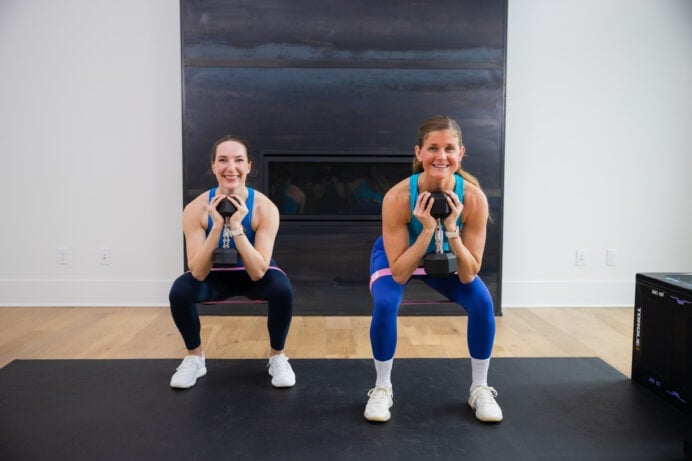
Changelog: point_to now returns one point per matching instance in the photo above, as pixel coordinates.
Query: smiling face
(441, 153)
(231, 166)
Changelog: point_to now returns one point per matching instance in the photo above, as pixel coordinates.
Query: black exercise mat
(555, 409)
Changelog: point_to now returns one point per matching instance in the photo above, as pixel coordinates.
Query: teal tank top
(415, 227)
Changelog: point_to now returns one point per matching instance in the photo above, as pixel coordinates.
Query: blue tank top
(415, 227)
(249, 233)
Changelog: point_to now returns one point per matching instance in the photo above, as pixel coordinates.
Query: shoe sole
(201, 374)
(282, 386)
(486, 420)
(489, 420)
(379, 419)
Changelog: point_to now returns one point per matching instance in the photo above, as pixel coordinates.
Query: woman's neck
(239, 191)
(426, 183)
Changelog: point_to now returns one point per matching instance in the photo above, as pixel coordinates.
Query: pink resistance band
(241, 268)
(387, 271)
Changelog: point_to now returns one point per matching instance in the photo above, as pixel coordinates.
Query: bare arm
(265, 222)
(469, 248)
(403, 259)
(199, 246)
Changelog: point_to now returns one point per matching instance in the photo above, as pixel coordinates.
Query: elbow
(198, 276)
(198, 273)
(399, 279)
(467, 278)
(469, 275)
(257, 274)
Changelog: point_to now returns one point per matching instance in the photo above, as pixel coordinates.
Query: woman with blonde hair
(408, 234)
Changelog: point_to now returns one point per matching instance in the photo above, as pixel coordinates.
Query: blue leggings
(474, 297)
(274, 287)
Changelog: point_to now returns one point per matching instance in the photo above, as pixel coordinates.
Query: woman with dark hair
(248, 234)
(408, 234)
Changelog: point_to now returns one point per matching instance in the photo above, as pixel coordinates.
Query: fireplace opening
(332, 187)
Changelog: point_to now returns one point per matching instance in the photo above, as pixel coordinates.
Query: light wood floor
(143, 332)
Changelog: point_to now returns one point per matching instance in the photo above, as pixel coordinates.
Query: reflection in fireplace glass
(325, 188)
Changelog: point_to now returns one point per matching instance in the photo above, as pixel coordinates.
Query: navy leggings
(387, 295)
(274, 287)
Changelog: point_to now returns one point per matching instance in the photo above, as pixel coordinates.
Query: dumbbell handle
(226, 232)
(438, 238)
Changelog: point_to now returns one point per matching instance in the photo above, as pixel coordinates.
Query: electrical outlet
(104, 256)
(611, 257)
(62, 255)
(580, 258)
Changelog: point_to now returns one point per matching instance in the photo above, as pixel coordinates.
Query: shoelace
(279, 363)
(380, 395)
(188, 362)
(484, 394)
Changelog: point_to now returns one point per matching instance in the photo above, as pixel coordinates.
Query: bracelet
(453, 234)
(239, 231)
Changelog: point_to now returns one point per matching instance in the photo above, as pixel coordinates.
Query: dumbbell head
(224, 257)
(440, 264)
(440, 208)
(225, 207)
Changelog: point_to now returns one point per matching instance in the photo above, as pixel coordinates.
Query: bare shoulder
(263, 204)
(395, 205)
(197, 208)
(475, 200)
(265, 211)
(398, 194)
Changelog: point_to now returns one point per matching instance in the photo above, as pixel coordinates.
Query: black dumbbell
(440, 264)
(443, 263)
(226, 208)
(225, 256)
(440, 208)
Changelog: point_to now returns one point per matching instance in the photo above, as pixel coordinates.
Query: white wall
(90, 139)
(598, 136)
(599, 114)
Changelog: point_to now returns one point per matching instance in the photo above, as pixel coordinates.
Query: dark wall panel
(330, 79)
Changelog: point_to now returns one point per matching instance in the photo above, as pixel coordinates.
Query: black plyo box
(662, 339)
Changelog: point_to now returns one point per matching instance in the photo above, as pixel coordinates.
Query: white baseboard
(568, 293)
(146, 293)
(78, 293)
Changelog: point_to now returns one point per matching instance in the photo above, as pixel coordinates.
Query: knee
(479, 302)
(279, 288)
(182, 292)
(482, 318)
(282, 294)
(385, 312)
(481, 310)
(176, 293)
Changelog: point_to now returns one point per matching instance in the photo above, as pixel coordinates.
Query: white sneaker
(482, 400)
(280, 371)
(191, 368)
(380, 401)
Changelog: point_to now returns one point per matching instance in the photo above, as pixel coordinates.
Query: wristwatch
(453, 234)
(239, 231)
